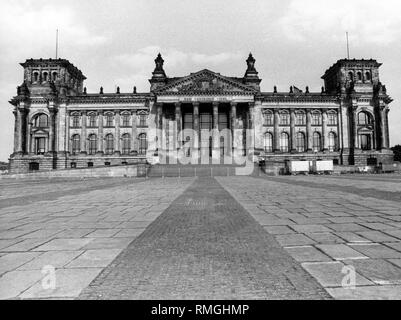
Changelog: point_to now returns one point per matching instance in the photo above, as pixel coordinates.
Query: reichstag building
(59, 125)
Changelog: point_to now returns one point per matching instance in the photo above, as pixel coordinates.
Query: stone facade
(59, 125)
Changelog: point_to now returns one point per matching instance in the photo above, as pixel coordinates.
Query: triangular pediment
(205, 82)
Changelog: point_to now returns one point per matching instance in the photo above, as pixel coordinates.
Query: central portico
(215, 108)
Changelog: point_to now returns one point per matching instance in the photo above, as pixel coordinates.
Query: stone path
(329, 228)
(204, 246)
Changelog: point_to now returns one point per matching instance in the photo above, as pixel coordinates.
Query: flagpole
(56, 43)
(347, 45)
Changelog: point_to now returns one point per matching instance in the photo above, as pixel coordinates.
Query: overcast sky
(115, 42)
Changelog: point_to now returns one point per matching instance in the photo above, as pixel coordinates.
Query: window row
(126, 146)
(300, 142)
(359, 76)
(300, 118)
(108, 120)
(44, 76)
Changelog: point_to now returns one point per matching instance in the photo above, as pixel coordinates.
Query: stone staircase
(209, 170)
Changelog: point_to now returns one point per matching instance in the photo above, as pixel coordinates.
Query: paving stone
(352, 237)
(344, 227)
(325, 237)
(278, 229)
(307, 254)
(295, 239)
(376, 251)
(64, 244)
(69, 284)
(11, 261)
(94, 258)
(377, 236)
(309, 228)
(108, 243)
(366, 293)
(340, 251)
(102, 233)
(14, 282)
(74, 233)
(378, 270)
(331, 274)
(394, 233)
(126, 233)
(56, 259)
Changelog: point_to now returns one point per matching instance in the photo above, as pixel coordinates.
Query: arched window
(126, 143)
(367, 76)
(268, 117)
(45, 77)
(109, 120)
(332, 118)
(35, 77)
(75, 120)
(300, 142)
(109, 144)
(143, 143)
(284, 138)
(92, 143)
(41, 121)
(76, 144)
(126, 119)
(350, 76)
(317, 145)
(316, 119)
(364, 118)
(359, 76)
(300, 119)
(332, 144)
(268, 142)
(92, 120)
(54, 76)
(284, 119)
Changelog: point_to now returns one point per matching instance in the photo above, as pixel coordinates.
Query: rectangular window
(126, 121)
(223, 121)
(75, 121)
(284, 119)
(268, 117)
(332, 119)
(205, 121)
(188, 121)
(40, 145)
(142, 120)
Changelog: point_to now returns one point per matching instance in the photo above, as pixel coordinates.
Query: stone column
(233, 123)
(196, 123)
(100, 140)
(19, 129)
(216, 142)
(159, 124)
(67, 132)
(276, 130)
(178, 121)
(355, 125)
(16, 124)
(309, 134)
(52, 134)
(117, 140)
(383, 125)
(387, 130)
(83, 133)
(134, 133)
(325, 139)
(27, 133)
(293, 147)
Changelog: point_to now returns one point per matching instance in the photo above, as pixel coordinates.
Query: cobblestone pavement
(204, 246)
(332, 226)
(77, 227)
(224, 237)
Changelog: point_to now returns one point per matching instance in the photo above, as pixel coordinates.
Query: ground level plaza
(248, 237)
